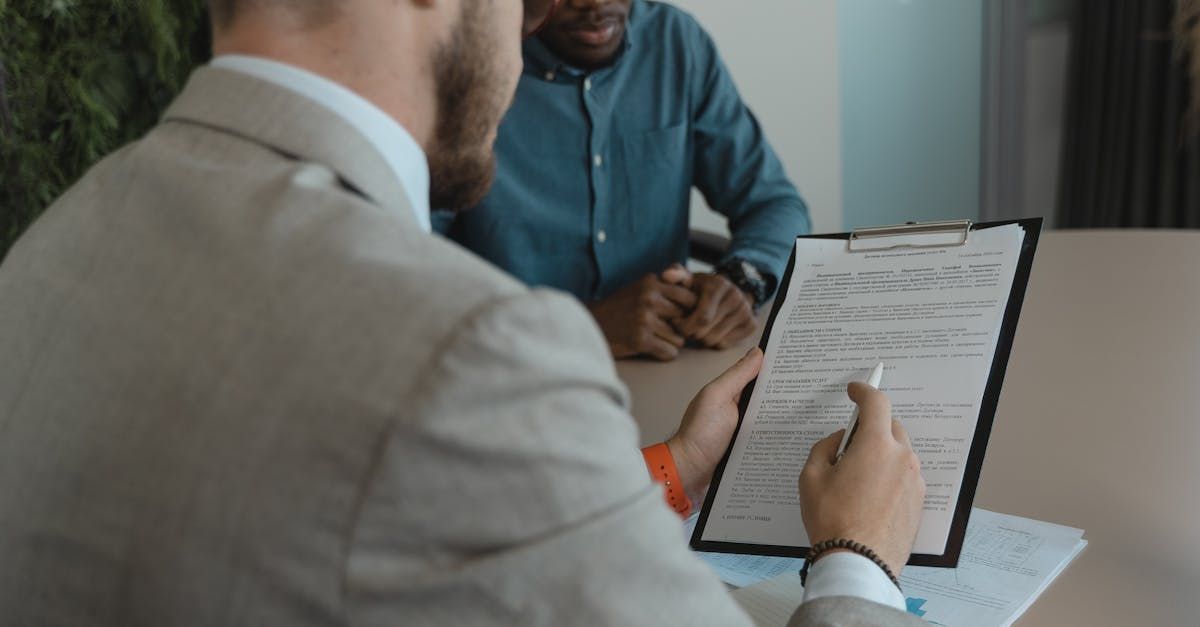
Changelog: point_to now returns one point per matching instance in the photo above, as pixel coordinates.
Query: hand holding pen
(874, 495)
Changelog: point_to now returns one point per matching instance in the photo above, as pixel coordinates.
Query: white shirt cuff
(846, 574)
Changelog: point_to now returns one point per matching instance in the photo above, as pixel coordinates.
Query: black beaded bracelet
(850, 545)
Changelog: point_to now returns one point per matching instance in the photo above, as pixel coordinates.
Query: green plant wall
(78, 79)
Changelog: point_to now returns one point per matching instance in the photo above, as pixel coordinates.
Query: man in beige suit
(243, 385)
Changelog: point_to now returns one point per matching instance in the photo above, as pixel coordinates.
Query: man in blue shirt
(622, 107)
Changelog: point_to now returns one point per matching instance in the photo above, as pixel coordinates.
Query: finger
(676, 274)
(663, 307)
(734, 313)
(728, 308)
(704, 316)
(659, 349)
(665, 332)
(729, 384)
(824, 452)
(682, 296)
(874, 409)
(708, 303)
(740, 333)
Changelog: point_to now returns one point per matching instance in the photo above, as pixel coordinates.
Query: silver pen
(873, 381)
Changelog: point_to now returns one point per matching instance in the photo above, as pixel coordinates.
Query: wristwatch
(747, 277)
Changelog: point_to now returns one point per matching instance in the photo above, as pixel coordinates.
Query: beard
(470, 103)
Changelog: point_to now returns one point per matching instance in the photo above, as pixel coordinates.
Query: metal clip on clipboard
(956, 233)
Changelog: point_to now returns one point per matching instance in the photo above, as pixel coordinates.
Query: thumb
(731, 382)
(874, 409)
(676, 274)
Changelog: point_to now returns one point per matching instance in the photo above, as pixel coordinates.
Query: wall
(1046, 51)
(911, 84)
(873, 105)
(783, 55)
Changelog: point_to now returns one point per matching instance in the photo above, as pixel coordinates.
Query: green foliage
(78, 79)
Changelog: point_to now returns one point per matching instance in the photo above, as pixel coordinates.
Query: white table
(1098, 425)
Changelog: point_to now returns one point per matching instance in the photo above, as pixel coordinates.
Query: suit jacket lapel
(291, 124)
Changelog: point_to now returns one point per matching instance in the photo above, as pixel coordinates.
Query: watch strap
(661, 465)
(758, 287)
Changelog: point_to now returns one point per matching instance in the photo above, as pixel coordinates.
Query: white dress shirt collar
(393, 142)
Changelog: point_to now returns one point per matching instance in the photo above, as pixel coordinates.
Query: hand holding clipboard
(938, 302)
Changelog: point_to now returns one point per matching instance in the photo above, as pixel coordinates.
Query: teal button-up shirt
(595, 169)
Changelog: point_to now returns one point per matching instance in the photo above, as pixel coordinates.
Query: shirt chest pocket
(658, 166)
(664, 147)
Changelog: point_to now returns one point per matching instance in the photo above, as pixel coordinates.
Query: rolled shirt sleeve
(738, 172)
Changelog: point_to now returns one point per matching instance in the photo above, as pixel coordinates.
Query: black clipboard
(987, 410)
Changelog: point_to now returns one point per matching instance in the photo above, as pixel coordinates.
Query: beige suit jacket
(240, 386)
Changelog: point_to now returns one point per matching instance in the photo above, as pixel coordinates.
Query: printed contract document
(933, 316)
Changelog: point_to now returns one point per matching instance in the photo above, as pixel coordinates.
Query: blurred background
(883, 111)
(886, 111)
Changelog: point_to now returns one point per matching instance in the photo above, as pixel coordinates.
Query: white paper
(932, 316)
(743, 570)
(1007, 561)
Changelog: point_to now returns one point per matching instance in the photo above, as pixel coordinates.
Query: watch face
(749, 279)
(750, 271)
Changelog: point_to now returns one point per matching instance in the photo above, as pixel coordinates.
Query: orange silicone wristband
(662, 469)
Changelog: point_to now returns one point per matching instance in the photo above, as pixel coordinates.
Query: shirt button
(587, 84)
(550, 76)
(598, 160)
(601, 236)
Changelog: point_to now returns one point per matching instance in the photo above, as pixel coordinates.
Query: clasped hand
(659, 313)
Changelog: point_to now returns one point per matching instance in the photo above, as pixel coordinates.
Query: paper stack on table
(1007, 561)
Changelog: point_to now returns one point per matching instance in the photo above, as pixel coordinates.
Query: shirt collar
(539, 60)
(398, 148)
